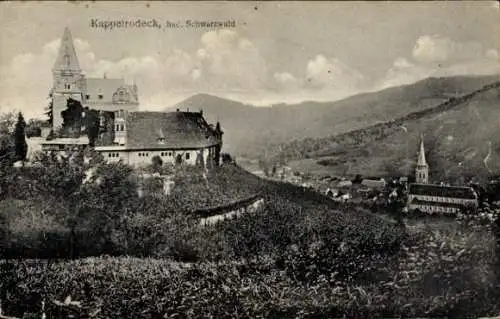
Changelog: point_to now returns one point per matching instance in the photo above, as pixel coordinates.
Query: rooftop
(160, 130)
(82, 140)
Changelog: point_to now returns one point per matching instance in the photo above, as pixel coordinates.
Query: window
(187, 156)
(100, 96)
(122, 127)
(87, 97)
(169, 153)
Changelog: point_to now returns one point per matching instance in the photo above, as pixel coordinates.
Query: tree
(21, 146)
(157, 163)
(357, 179)
(49, 111)
(226, 158)
(72, 118)
(7, 122)
(92, 125)
(7, 158)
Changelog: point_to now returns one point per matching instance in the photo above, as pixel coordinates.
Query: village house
(436, 199)
(374, 183)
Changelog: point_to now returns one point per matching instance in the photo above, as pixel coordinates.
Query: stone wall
(233, 210)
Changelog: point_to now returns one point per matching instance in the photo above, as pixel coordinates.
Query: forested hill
(250, 130)
(462, 138)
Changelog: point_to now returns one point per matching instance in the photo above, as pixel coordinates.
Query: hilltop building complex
(124, 133)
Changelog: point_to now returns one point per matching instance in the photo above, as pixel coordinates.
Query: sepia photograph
(249, 159)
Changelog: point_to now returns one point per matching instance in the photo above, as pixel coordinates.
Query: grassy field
(444, 271)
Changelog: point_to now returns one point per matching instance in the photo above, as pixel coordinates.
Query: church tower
(68, 79)
(422, 170)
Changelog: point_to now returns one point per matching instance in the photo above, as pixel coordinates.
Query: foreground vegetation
(443, 271)
(302, 255)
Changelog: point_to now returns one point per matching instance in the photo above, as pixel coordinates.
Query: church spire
(422, 169)
(421, 154)
(67, 60)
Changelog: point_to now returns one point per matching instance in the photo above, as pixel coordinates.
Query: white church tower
(422, 170)
(68, 79)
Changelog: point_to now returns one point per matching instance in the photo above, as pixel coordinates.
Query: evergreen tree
(92, 126)
(21, 146)
(49, 111)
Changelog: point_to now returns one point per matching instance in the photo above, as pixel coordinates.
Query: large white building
(176, 137)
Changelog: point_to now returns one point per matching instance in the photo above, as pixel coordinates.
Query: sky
(275, 52)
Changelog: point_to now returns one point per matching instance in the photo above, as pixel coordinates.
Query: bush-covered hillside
(302, 255)
(56, 209)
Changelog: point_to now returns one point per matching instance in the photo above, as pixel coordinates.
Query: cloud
(436, 56)
(436, 48)
(331, 73)
(286, 81)
(403, 72)
(227, 60)
(431, 49)
(492, 54)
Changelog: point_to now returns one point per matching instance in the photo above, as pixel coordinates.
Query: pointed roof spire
(421, 154)
(67, 59)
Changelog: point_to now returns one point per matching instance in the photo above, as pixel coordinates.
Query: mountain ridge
(395, 142)
(250, 131)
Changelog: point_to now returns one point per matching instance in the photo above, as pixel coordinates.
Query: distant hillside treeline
(454, 132)
(310, 147)
(251, 131)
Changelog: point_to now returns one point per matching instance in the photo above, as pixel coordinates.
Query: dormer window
(161, 137)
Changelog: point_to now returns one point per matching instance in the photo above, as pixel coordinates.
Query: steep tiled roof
(106, 87)
(442, 191)
(159, 130)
